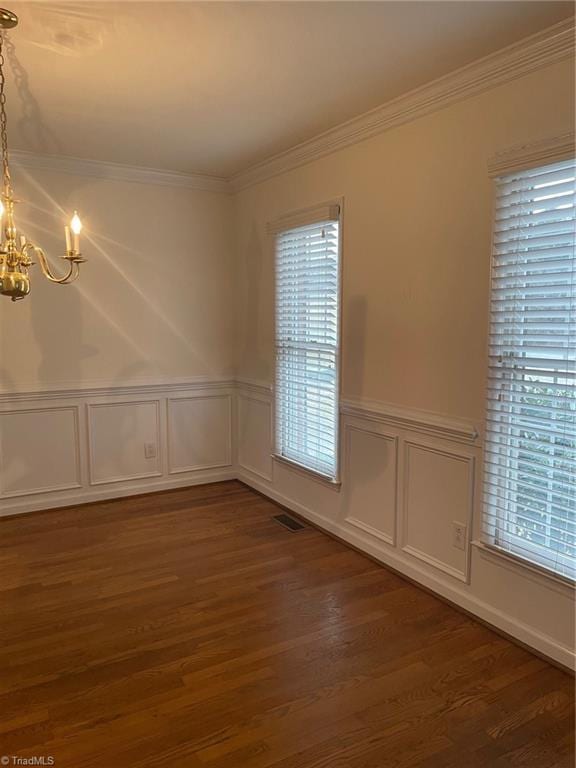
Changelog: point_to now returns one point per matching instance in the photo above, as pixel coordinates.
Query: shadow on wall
(32, 129)
(58, 329)
(254, 340)
(354, 323)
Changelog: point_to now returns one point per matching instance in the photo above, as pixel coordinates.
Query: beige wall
(416, 252)
(417, 211)
(154, 302)
(179, 284)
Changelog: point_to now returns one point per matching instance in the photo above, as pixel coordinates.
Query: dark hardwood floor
(188, 629)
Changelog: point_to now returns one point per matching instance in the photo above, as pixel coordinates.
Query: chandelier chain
(4, 123)
(16, 250)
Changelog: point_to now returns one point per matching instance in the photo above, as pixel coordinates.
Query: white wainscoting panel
(371, 471)
(254, 434)
(118, 434)
(407, 476)
(438, 491)
(199, 432)
(39, 450)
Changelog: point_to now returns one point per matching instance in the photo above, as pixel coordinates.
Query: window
(308, 340)
(530, 457)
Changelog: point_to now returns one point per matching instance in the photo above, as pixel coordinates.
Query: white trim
(90, 488)
(543, 575)
(436, 563)
(90, 409)
(435, 424)
(261, 395)
(529, 155)
(75, 409)
(332, 210)
(455, 592)
(257, 386)
(370, 530)
(100, 169)
(428, 422)
(532, 53)
(101, 493)
(348, 428)
(300, 218)
(517, 60)
(112, 389)
(405, 546)
(172, 470)
(334, 483)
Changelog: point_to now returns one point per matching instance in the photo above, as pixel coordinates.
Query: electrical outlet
(459, 535)
(150, 450)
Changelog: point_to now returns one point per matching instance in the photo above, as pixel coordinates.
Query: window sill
(333, 483)
(518, 564)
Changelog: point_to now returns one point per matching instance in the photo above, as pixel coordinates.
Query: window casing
(307, 341)
(530, 453)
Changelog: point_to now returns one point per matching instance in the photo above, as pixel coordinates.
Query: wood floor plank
(189, 629)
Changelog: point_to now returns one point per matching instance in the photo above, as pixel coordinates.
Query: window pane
(530, 482)
(307, 339)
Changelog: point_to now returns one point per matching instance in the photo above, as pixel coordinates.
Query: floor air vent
(289, 522)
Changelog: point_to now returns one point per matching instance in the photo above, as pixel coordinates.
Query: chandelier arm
(73, 269)
(15, 250)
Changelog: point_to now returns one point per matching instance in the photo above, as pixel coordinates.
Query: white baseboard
(22, 506)
(209, 431)
(454, 593)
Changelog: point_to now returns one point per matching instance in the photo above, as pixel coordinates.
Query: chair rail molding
(100, 388)
(120, 444)
(435, 424)
(400, 465)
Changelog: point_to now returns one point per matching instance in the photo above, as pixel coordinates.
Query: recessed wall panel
(39, 451)
(371, 479)
(254, 436)
(199, 433)
(438, 491)
(123, 437)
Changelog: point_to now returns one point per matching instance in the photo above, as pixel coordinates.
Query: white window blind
(530, 481)
(307, 344)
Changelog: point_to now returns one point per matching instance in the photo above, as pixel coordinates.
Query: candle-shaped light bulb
(2, 209)
(76, 226)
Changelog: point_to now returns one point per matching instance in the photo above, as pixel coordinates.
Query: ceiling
(214, 87)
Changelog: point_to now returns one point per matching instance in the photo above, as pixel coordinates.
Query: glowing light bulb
(76, 224)
(2, 209)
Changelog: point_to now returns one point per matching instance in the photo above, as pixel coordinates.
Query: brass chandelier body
(16, 251)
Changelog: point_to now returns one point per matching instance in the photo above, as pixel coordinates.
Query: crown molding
(528, 55)
(532, 53)
(119, 172)
(526, 156)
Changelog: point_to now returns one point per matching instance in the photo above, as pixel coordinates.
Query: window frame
(284, 223)
(517, 159)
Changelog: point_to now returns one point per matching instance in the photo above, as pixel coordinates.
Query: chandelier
(16, 251)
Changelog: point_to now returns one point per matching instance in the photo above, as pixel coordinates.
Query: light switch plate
(459, 535)
(150, 450)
